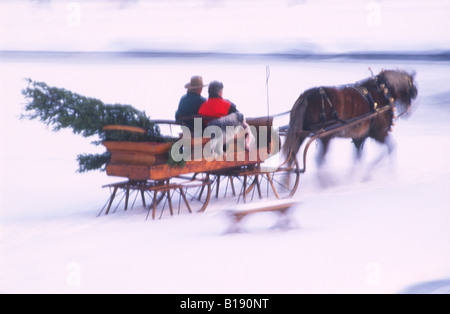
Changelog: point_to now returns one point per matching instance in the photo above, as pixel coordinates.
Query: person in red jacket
(216, 107)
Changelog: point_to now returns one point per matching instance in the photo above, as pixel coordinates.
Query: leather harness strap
(323, 96)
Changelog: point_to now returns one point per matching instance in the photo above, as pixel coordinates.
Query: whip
(267, 90)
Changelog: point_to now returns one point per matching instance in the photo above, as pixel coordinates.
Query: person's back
(222, 113)
(216, 108)
(190, 103)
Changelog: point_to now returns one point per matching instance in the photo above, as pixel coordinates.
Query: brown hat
(195, 83)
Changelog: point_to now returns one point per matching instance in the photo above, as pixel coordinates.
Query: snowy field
(384, 230)
(377, 233)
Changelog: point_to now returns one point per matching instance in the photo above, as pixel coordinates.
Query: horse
(323, 107)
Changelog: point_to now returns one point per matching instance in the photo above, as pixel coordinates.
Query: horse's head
(401, 87)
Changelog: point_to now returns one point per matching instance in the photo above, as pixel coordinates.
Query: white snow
(377, 233)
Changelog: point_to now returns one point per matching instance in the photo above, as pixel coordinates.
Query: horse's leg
(389, 146)
(356, 168)
(359, 144)
(321, 157)
(324, 177)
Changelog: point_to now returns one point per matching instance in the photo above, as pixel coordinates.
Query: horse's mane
(396, 79)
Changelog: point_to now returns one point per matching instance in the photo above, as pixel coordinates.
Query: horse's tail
(293, 140)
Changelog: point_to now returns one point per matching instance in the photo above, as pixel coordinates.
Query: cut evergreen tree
(61, 108)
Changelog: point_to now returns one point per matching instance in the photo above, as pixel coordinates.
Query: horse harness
(323, 97)
(364, 92)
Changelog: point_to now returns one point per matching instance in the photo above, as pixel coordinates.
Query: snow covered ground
(387, 231)
(380, 234)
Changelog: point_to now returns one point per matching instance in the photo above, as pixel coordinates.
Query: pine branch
(93, 162)
(61, 109)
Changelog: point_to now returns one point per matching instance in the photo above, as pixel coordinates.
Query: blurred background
(225, 26)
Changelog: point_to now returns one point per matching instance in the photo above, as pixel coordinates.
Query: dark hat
(195, 83)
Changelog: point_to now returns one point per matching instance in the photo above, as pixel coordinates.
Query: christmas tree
(61, 108)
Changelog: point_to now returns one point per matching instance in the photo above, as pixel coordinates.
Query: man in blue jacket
(191, 102)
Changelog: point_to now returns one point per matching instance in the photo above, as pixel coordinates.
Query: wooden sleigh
(189, 187)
